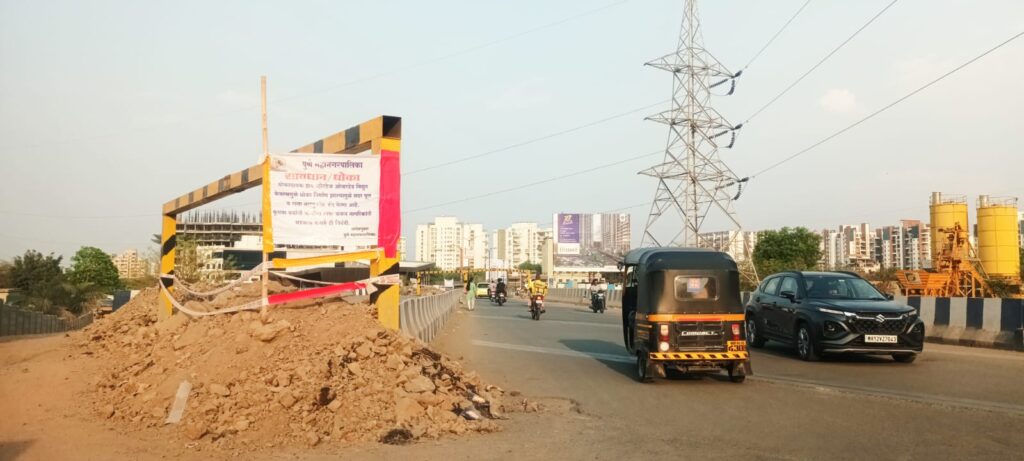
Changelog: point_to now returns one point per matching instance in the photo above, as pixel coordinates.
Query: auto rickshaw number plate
(736, 346)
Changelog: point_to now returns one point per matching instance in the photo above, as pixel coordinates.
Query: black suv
(829, 313)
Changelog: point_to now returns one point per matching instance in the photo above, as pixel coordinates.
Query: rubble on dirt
(316, 373)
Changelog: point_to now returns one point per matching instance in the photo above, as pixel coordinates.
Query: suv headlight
(833, 311)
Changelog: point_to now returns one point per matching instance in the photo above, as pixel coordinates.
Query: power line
(888, 106)
(784, 26)
(531, 141)
(822, 61)
(536, 183)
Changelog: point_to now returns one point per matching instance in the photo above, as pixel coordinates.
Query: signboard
(568, 228)
(586, 242)
(325, 201)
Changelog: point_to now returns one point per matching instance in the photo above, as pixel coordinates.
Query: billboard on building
(588, 242)
(568, 227)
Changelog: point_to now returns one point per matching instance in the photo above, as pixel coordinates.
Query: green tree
(187, 260)
(786, 249)
(531, 267)
(5, 275)
(32, 272)
(91, 265)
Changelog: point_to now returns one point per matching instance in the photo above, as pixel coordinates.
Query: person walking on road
(470, 293)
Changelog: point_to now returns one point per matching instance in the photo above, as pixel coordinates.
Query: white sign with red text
(325, 200)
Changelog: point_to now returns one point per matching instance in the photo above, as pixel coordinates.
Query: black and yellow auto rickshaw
(682, 312)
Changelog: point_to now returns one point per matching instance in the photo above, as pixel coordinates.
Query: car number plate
(885, 339)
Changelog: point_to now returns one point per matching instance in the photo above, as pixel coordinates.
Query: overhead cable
(887, 106)
(820, 62)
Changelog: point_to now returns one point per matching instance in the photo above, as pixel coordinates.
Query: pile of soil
(316, 373)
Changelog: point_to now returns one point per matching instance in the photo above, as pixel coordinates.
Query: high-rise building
(519, 243)
(130, 266)
(401, 248)
(451, 244)
(830, 248)
(735, 243)
(904, 246)
(218, 229)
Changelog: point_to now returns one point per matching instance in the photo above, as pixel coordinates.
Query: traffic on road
(845, 406)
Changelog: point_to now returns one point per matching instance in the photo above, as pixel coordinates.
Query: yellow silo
(946, 211)
(998, 236)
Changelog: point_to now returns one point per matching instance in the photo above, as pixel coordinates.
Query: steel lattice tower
(692, 178)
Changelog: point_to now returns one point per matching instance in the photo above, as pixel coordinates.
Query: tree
(187, 260)
(786, 249)
(530, 267)
(5, 274)
(33, 272)
(91, 265)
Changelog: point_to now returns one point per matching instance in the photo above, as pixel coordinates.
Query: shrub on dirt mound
(323, 373)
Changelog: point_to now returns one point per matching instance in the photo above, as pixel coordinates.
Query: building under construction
(959, 269)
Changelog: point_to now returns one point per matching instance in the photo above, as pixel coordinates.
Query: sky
(110, 108)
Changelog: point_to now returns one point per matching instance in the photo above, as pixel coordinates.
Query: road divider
(425, 316)
(981, 322)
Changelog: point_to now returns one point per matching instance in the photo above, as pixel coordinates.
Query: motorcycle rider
(596, 287)
(537, 287)
(500, 289)
(490, 290)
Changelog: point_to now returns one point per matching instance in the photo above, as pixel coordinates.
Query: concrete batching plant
(958, 269)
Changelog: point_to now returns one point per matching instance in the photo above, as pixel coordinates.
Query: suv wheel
(754, 336)
(805, 346)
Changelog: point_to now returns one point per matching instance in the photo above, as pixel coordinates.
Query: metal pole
(265, 276)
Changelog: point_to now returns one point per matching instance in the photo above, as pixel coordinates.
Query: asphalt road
(952, 403)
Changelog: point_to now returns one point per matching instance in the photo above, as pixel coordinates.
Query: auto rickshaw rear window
(695, 288)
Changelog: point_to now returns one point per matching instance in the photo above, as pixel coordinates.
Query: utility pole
(265, 276)
(692, 179)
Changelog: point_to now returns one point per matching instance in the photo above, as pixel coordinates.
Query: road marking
(928, 399)
(570, 322)
(995, 354)
(971, 404)
(552, 351)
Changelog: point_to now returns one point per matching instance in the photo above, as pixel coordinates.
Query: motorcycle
(499, 298)
(597, 302)
(537, 307)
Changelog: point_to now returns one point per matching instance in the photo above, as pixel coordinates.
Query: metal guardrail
(425, 316)
(16, 322)
(582, 295)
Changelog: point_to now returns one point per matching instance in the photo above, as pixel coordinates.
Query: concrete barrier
(985, 322)
(425, 316)
(17, 322)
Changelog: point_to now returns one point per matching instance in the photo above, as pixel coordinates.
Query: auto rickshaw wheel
(736, 375)
(644, 371)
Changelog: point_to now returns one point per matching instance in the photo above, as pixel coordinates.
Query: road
(952, 403)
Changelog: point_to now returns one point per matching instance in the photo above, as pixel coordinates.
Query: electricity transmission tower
(692, 179)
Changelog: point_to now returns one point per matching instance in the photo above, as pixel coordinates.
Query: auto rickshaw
(682, 313)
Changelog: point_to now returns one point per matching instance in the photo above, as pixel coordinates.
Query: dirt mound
(318, 373)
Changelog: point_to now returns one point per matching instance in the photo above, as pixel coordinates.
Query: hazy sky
(110, 108)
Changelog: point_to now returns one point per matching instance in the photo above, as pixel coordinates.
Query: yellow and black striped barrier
(699, 356)
(383, 133)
